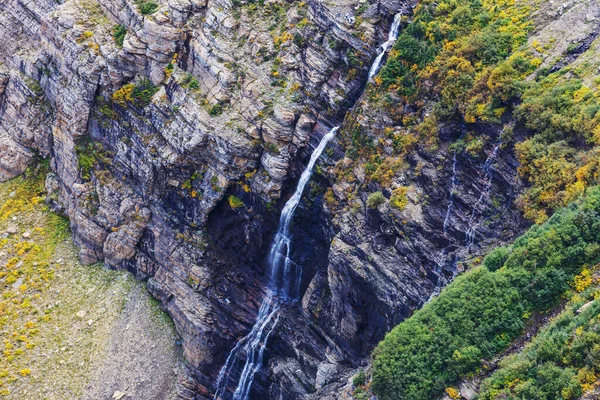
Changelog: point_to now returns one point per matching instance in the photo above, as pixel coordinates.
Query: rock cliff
(175, 130)
(154, 114)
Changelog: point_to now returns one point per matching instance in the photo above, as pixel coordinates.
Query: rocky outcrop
(367, 268)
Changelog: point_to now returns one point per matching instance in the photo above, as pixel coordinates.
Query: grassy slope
(56, 316)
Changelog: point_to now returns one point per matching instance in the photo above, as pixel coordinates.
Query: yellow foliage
(295, 87)
(582, 94)
(596, 135)
(281, 39)
(123, 95)
(12, 262)
(587, 379)
(536, 62)
(453, 393)
(399, 200)
(537, 46)
(583, 280)
(84, 36)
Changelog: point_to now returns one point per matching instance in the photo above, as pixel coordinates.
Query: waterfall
(285, 275)
(383, 49)
(284, 285)
(253, 346)
(452, 190)
(441, 256)
(487, 173)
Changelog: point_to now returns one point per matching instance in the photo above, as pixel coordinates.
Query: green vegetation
(235, 202)
(359, 379)
(87, 161)
(375, 199)
(89, 156)
(26, 273)
(562, 362)
(469, 62)
(146, 7)
(215, 110)
(460, 46)
(190, 82)
(271, 147)
(119, 33)
(482, 311)
(57, 316)
(139, 94)
(558, 160)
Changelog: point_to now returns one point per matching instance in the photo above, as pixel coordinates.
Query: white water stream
(285, 275)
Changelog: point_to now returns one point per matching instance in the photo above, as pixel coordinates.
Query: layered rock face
(153, 121)
(153, 114)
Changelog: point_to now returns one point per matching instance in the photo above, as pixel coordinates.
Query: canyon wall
(175, 135)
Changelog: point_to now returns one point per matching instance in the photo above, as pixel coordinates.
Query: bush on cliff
(375, 200)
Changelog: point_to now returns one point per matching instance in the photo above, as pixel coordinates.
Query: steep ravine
(174, 148)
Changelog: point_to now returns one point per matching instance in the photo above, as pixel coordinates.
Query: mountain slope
(176, 129)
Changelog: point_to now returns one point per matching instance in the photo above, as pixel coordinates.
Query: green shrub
(561, 362)
(235, 202)
(89, 156)
(216, 110)
(119, 33)
(194, 84)
(86, 163)
(375, 200)
(190, 82)
(139, 94)
(146, 7)
(359, 379)
(496, 258)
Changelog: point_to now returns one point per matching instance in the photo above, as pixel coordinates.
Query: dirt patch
(141, 357)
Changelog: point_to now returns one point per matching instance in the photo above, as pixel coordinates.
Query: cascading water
(285, 278)
(452, 190)
(441, 257)
(383, 49)
(284, 285)
(487, 170)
